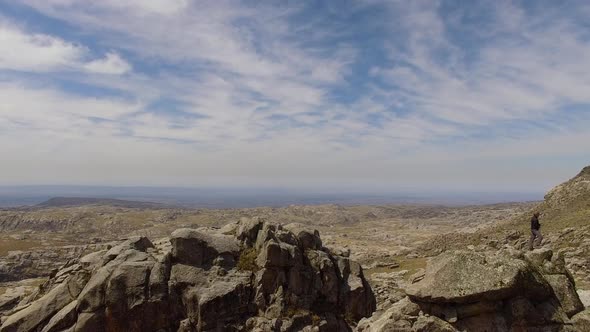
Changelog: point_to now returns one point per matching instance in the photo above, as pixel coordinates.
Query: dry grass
(412, 265)
(247, 260)
(369, 272)
(8, 244)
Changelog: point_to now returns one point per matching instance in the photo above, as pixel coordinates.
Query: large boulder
(468, 276)
(251, 276)
(486, 291)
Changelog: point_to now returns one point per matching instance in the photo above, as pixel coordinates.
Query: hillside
(565, 224)
(566, 205)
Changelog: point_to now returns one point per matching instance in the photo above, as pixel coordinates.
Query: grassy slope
(567, 205)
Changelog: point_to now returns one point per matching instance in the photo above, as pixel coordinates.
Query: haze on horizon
(375, 94)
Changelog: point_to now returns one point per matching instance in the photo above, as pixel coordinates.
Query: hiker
(535, 231)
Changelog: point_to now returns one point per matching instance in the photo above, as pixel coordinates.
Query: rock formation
(504, 290)
(247, 276)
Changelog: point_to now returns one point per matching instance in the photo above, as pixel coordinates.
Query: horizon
(363, 96)
(246, 197)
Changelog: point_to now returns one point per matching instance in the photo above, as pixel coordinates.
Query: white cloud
(35, 52)
(112, 63)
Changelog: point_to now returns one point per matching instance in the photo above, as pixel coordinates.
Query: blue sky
(367, 95)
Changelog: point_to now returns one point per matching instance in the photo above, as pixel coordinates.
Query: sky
(367, 95)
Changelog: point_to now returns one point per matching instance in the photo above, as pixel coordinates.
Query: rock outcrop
(505, 290)
(249, 276)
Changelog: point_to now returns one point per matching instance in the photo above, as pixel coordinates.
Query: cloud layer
(368, 94)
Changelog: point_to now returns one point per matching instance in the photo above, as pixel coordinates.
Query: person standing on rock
(535, 231)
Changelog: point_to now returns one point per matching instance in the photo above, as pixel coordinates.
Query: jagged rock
(194, 247)
(327, 284)
(191, 282)
(358, 296)
(265, 234)
(275, 254)
(30, 318)
(247, 230)
(65, 318)
(307, 239)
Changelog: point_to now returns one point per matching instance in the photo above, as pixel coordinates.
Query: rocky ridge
(247, 276)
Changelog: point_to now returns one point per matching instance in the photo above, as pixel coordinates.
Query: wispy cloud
(34, 110)
(525, 66)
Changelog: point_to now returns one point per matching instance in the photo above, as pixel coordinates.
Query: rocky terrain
(248, 276)
(34, 241)
(420, 267)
